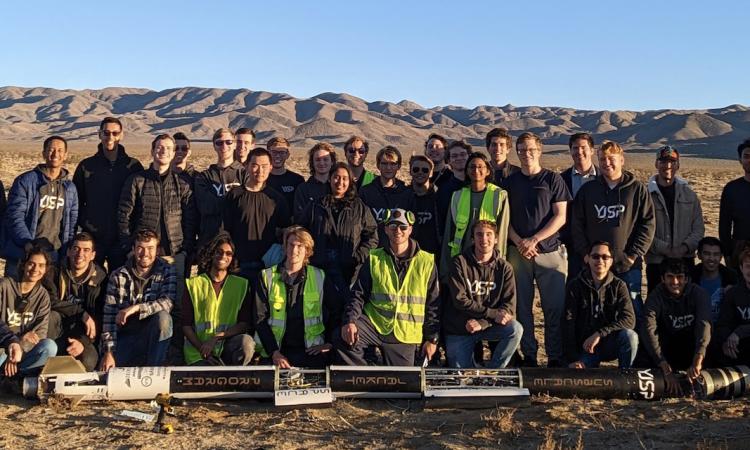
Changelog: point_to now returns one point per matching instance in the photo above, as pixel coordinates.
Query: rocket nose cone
(725, 382)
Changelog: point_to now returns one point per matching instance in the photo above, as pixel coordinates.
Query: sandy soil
(547, 423)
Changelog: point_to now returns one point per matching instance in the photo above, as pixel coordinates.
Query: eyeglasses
(400, 226)
(224, 253)
(420, 169)
(597, 257)
(219, 143)
(110, 133)
(352, 150)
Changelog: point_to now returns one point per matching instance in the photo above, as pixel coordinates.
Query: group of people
(360, 267)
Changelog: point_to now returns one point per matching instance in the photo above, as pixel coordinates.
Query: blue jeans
(144, 342)
(634, 279)
(460, 348)
(33, 360)
(621, 345)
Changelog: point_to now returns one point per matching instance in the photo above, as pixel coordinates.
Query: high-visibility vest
(399, 307)
(461, 210)
(312, 306)
(213, 314)
(367, 178)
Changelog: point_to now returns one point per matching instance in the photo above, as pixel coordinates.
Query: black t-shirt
(252, 219)
(286, 184)
(426, 228)
(531, 199)
(51, 207)
(668, 193)
(444, 194)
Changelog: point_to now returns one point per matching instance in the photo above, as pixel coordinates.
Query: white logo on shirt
(680, 322)
(16, 319)
(609, 212)
(52, 202)
(222, 189)
(744, 312)
(423, 217)
(481, 287)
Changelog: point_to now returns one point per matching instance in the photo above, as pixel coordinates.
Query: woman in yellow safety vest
(289, 302)
(215, 311)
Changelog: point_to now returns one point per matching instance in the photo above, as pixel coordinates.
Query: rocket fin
(63, 364)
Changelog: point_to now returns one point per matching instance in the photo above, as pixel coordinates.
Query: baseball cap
(399, 216)
(667, 152)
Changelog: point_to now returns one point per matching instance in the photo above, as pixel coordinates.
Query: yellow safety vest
(312, 306)
(394, 308)
(367, 178)
(461, 210)
(213, 314)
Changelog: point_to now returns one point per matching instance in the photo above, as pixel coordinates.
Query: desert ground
(547, 423)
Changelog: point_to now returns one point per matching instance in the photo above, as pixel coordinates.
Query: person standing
(435, 148)
(356, 149)
(499, 143)
(181, 162)
(734, 215)
(99, 180)
(284, 180)
(427, 229)
(42, 207)
(321, 157)
(244, 140)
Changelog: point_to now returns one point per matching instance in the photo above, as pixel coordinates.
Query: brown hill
(33, 113)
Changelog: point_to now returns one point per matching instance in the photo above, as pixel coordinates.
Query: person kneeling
(483, 304)
(290, 308)
(394, 302)
(599, 318)
(215, 315)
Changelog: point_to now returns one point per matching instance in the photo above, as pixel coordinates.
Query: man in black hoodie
(427, 228)
(678, 312)
(734, 215)
(599, 319)
(99, 180)
(320, 159)
(387, 192)
(733, 326)
(618, 209)
(482, 303)
(76, 288)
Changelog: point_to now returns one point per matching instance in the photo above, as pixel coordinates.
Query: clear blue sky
(588, 54)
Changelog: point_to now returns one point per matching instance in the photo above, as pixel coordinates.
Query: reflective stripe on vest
(461, 211)
(367, 178)
(213, 314)
(312, 306)
(394, 307)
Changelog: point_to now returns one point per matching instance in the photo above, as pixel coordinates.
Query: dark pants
(60, 330)
(109, 250)
(144, 342)
(237, 351)
(620, 345)
(298, 358)
(394, 352)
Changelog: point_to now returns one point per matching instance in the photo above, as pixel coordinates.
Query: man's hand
(108, 362)
(123, 314)
(429, 349)
(318, 349)
(672, 385)
(30, 337)
(694, 371)
(731, 346)
(504, 317)
(590, 344)
(208, 346)
(349, 333)
(528, 247)
(473, 326)
(90, 325)
(75, 348)
(576, 365)
(15, 352)
(280, 360)
(631, 260)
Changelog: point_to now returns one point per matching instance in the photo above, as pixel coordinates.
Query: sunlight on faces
(223, 257)
(710, 256)
(181, 151)
(581, 153)
(322, 162)
(457, 157)
(388, 167)
(356, 154)
(398, 233)
(279, 155)
(244, 143)
(224, 147)
(485, 238)
(80, 254)
(529, 153)
(435, 150)
(163, 152)
(55, 154)
(295, 251)
(420, 172)
(144, 253)
(34, 268)
(110, 136)
(611, 164)
(259, 167)
(675, 282)
(339, 182)
(498, 149)
(667, 169)
(599, 260)
(477, 170)
(745, 160)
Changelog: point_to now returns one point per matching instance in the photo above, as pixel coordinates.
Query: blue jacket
(22, 213)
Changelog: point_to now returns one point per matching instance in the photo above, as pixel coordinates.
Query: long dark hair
(207, 252)
(351, 192)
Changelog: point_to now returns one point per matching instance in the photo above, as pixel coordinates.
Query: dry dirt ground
(544, 423)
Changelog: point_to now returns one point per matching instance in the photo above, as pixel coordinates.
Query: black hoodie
(379, 199)
(623, 216)
(478, 291)
(734, 314)
(210, 189)
(590, 310)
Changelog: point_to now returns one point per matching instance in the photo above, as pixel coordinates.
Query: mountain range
(34, 113)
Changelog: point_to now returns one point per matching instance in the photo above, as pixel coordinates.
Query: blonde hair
(220, 131)
(611, 148)
(304, 237)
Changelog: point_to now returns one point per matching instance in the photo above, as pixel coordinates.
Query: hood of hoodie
(587, 279)
(64, 173)
(653, 186)
(398, 187)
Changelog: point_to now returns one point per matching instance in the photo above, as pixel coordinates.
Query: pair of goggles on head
(391, 214)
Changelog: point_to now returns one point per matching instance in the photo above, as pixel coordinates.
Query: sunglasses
(224, 253)
(597, 257)
(420, 169)
(400, 226)
(219, 143)
(111, 133)
(352, 151)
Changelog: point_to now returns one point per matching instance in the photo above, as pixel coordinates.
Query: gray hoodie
(24, 314)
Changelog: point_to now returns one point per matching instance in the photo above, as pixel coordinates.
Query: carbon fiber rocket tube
(634, 384)
(376, 382)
